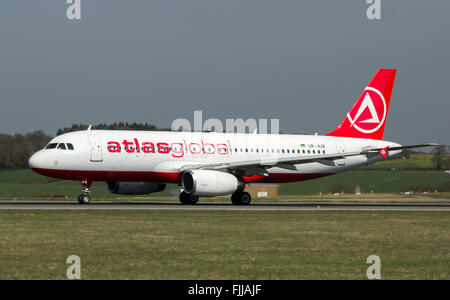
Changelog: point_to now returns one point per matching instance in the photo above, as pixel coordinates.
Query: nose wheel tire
(187, 199)
(241, 198)
(84, 199)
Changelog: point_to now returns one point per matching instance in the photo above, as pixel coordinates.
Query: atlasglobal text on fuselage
(176, 149)
(210, 164)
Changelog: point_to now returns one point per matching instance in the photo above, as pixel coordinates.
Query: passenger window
(70, 146)
(62, 146)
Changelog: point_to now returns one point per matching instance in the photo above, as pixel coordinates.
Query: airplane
(209, 164)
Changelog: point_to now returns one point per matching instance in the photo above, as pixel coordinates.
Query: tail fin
(367, 117)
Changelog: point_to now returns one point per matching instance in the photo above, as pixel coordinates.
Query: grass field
(224, 245)
(377, 181)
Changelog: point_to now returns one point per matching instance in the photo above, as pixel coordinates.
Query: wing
(259, 166)
(406, 147)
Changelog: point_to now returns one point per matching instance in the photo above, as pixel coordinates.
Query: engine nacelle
(210, 183)
(134, 188)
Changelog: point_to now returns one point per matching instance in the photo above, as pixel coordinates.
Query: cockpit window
(51, 146)
(62, 146)
(70, 146)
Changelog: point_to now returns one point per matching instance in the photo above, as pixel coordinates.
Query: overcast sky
(303, 62)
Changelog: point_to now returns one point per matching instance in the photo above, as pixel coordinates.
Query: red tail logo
(370, 114)
(366, 119)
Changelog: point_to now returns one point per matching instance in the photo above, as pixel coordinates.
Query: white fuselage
(109, 155)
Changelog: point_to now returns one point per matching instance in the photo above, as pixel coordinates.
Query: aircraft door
(96, 149)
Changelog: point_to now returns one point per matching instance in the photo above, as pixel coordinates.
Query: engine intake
(210, 183)
(134, 188)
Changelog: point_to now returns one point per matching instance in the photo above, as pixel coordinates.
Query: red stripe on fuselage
(167, 177)
(111, 175)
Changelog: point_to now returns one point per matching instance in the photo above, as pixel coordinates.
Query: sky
(302, 62)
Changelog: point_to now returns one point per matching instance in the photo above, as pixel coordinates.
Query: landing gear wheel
(186, 198)
(241, 198)
(84, 199)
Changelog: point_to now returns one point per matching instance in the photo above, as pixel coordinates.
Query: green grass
(25, 184)
(224, 245)
(416, 161)
(377, 181)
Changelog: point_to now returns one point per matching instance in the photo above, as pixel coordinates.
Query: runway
(222, 206)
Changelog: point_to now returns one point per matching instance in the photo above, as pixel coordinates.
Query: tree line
(15, 150)
(113, 126)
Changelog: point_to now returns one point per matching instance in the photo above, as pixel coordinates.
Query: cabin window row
(288, 151)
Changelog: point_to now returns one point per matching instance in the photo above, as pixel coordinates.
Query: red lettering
(148, 147)
(138, 150)
(207, 148)
(163, 148)
(196, 146)
(126, 144)
(177, 149)
(222, 149)
(113, 147)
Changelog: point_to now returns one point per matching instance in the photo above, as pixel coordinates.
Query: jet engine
(210, 183)
(134, 188)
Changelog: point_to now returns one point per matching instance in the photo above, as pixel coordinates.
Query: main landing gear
(84, 198)
(186, 198)
(238, 198)
(241, 198)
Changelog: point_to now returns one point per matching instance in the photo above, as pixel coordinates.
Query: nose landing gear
(84, 198)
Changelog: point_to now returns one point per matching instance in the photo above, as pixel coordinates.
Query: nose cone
(36, 161)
